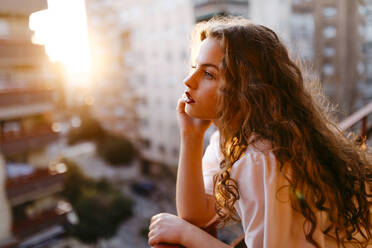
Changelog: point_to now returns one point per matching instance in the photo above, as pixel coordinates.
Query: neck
(235, 124)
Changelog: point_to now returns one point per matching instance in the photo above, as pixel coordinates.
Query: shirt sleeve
(210, 163)
(267, 217)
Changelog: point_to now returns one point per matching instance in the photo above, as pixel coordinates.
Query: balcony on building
(25, 101)
(22, 7)
(206, 9)
(20, 52)
(25, 185)
(12, 143)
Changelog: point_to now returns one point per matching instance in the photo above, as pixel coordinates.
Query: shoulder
(257, 166)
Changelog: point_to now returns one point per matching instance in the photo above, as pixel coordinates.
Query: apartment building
(143, 49)
(30, 213)
(206, 9)
(275, 14)
(367, 68)
(335, 37)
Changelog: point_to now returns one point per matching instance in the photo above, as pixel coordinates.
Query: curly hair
(265, 94)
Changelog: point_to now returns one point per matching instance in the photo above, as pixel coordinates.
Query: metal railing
(24, 141)
(360, 115)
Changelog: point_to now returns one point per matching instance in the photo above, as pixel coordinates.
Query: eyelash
(206, 73)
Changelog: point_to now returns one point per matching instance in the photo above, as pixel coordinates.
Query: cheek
(209, 103)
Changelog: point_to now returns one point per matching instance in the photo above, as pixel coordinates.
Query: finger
(153, 224)
(181, 105)
(151, 234)
(154, 218)
(153, 240)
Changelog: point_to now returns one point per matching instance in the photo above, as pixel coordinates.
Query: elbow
(198, 221)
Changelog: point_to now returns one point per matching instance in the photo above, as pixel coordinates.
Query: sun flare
(62, 28)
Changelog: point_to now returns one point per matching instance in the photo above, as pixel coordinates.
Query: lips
(189, 98)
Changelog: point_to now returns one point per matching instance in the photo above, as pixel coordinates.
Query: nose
(191, 81)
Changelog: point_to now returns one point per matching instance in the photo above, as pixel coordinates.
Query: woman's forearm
(194, 237)
(190, 197)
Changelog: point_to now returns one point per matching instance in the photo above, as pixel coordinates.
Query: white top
(267, 218)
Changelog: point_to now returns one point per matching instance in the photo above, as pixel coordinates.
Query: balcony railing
(28, 227)
(22, 102)
(33, 186)
(21, 96)
(24, 141)
(20, 52)
(359, 116)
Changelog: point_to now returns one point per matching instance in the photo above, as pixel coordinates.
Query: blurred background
(88, 92)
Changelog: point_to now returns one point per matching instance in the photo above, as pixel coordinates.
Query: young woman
(276, 161)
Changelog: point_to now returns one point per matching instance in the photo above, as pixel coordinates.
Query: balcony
(44, 221)
(21, 102)
(23, 7)
(19, 142)
(20, 52)
(33, 185)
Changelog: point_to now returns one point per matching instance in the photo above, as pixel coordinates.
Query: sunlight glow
(62, 28)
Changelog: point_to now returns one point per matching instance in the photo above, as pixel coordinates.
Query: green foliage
(90, 130)
(117, 150)
(99, 206)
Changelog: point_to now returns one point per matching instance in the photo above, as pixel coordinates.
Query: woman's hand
(167, 228)
(170, 231)
(188, 124)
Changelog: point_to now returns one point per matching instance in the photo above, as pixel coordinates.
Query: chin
(195, 114)
(192, 112)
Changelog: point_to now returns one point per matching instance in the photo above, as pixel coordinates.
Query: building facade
(206, 9)
(275, 14)
(144, 50)
(28, 99)
(334, 34)
(367, 49)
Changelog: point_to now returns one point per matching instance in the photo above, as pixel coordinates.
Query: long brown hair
(265, 89)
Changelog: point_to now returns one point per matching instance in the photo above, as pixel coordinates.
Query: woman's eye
(209, 75)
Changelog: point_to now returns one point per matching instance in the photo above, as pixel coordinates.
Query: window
(369, 70)
(119, 112)
(329, 51)
(302, 35)
(361, 68)
(362, 10)
(328, 69)
(144, 122)
(141, 79)
(362, 30)
(329, 12)
(161, 149)
(145, 142)
(329, 32)
(4, 28)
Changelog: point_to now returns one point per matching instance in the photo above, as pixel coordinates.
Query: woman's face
(203, 82)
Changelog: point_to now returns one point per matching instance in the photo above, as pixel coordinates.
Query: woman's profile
(277, 162)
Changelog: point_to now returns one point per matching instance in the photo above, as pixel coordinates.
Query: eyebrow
(210, 65)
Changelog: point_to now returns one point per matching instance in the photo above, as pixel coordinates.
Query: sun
(62, 28)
